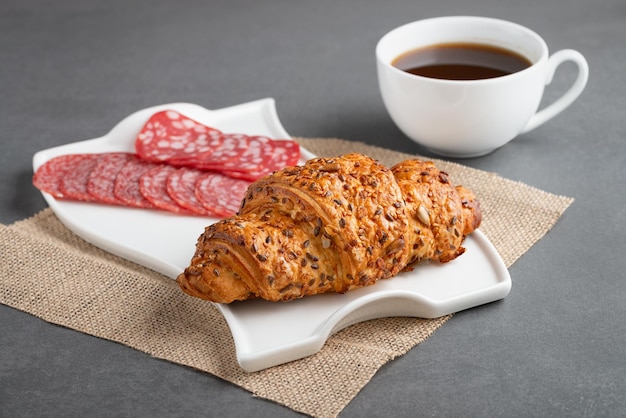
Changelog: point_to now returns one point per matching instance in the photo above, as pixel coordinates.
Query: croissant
(331, 225)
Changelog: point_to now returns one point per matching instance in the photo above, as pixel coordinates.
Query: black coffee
(461, 61)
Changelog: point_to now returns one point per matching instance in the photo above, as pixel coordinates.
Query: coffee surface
(461, 61)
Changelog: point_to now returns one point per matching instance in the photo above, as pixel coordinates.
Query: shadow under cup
(465, 118)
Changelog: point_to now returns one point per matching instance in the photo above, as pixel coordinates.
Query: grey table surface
(556, 346)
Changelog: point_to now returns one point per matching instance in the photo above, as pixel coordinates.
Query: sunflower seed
(423, 216)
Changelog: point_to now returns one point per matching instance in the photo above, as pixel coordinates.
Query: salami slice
(220, 194)
(285, 153)
(169, 134)
(48, 176)
(277, 155)
(101, 182)
(73, 184)
(232, 147)
(252, 159)
(126, 187)
(153, 186)
(181, 186)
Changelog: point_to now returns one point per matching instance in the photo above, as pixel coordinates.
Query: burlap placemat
(51, 273)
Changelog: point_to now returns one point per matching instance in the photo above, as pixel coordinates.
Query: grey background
(70, 70)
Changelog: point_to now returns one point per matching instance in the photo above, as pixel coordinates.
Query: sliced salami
(48, 176)
(220, 194)
(153, 186)
(278, 154)
(126, 187)
(252, 159)
(173, 152)
(181, 186)
(233, 146)
(73, 184)
(285, 153)
(169, 134)
(101, 182)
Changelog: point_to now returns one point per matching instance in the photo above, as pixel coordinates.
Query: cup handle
(570, 95)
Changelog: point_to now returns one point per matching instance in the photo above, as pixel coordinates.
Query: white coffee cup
(470, 118)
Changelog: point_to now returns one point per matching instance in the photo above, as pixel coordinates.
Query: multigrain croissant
(331, 225)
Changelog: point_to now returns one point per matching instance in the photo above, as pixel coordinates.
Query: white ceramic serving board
(265, 333)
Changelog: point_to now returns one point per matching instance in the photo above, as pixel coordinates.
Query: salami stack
(180, 166)
(175, 139)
